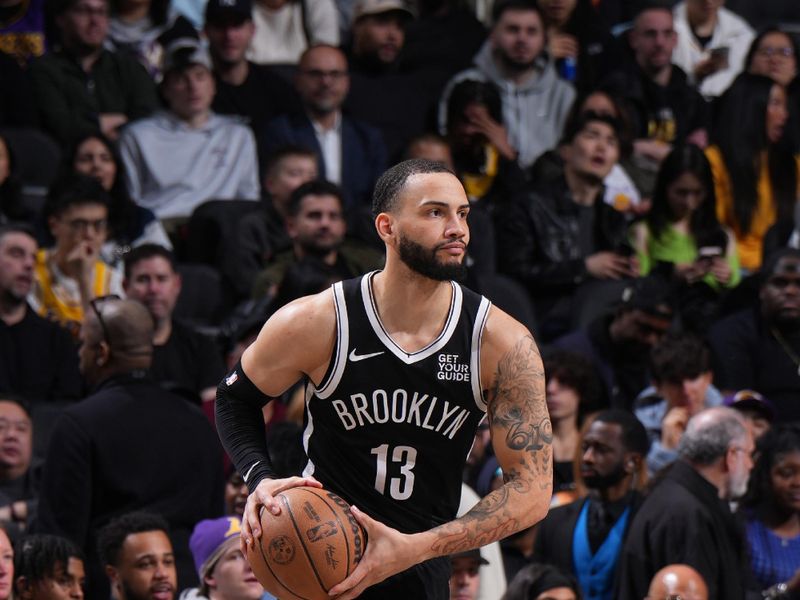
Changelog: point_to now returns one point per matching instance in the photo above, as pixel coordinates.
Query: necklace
(786, 348)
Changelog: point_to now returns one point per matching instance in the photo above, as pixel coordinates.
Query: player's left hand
(388, 552)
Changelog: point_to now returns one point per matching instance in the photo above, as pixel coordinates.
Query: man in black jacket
(128, 446)
(686, 518)
(589, 533)
(560, 235)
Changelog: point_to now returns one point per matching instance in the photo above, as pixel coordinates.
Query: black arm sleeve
(240, 425)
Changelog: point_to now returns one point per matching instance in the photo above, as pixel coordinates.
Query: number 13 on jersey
(404, 457)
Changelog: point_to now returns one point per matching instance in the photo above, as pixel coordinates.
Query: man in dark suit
(128, 446)
(350, 152)
(589, 532)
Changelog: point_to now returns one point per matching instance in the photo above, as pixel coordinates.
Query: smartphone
(709, 253)
(720, 53)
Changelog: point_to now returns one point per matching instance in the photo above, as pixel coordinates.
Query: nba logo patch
(232, 378)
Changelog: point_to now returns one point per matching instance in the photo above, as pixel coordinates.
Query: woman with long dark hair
(752, 162)
(129, 225)
(773, 53)
(772, 506)
(682, 229)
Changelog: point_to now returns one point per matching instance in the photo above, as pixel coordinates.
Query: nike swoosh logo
(357, 357)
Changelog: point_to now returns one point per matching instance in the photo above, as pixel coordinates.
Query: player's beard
(424, 261)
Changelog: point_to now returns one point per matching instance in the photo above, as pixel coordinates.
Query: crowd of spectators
(171, 173)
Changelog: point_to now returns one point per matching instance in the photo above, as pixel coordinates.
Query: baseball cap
(365, 8)
(475, 553)
(745, 400)
(652, 294)
(184, 52)
(236, 8)
(208, 541)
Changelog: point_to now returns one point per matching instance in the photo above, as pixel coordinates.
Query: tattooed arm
(512, 373)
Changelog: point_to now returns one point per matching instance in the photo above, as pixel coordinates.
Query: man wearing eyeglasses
(349, 152)
(129, 445)
(686, 518)
(70, 273)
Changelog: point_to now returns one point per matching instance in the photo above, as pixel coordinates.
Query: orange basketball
(311, 546)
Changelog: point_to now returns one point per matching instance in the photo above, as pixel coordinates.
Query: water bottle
(569, 68)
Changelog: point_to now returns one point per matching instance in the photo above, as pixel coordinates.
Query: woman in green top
(681, 234)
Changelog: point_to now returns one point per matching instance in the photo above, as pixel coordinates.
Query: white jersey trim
(413, 357)
(475, 357)
(328, 386)
(310, 467)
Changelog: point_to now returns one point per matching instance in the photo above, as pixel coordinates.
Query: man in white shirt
(712, 44)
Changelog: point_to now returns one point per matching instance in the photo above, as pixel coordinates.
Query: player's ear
(384, 223)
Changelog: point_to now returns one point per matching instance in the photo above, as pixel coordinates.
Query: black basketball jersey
(390, 431)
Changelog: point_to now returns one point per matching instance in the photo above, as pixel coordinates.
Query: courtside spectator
(711, 46)
(287, 28)
(664, 107)
(618, 344)
(754, 166)
(37, 357)
(48, 567)
(680, 368)
(686, 517)
(580, 44)
(182, 358)
(560, 240)
(585, 537)
(756, 410)
(772, 508)
(262, 234)
(187, 154)
(129, 445)
(350, 153)
(19, 474)
(758, 348)
(680, 581)
(137, 557)
(223, 570)
(72, 272)
(317, 228)
(514, 58)
(254, 92)
(129, 225)
(465, 580)
(120, 89)
(774, 54)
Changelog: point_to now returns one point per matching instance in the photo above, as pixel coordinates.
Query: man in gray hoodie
(535, 100)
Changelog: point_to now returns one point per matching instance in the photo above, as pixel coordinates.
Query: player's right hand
(264, 496)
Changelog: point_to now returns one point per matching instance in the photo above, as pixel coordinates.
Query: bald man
(128, 446)
(677, 580)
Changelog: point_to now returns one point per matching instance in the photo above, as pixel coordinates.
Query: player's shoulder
(502, 331)
(308, 313)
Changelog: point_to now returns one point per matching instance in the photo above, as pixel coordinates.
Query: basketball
(311, 546)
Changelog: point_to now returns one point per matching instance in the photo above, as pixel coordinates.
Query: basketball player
(401, 366)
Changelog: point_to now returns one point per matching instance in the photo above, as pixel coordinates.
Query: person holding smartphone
(712, 44)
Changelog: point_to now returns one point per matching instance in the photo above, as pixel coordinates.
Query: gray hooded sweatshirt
(534, 112)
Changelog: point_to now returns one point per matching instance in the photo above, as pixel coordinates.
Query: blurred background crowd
(173, 172)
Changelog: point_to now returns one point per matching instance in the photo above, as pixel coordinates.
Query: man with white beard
(686, 518)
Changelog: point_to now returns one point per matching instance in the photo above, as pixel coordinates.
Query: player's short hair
(277, 156)
(315, 187)
(146, 252)
(390, 185)
(678, 357)
(37, 556)
(501, 6)
(112, 536)
(634, 435)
